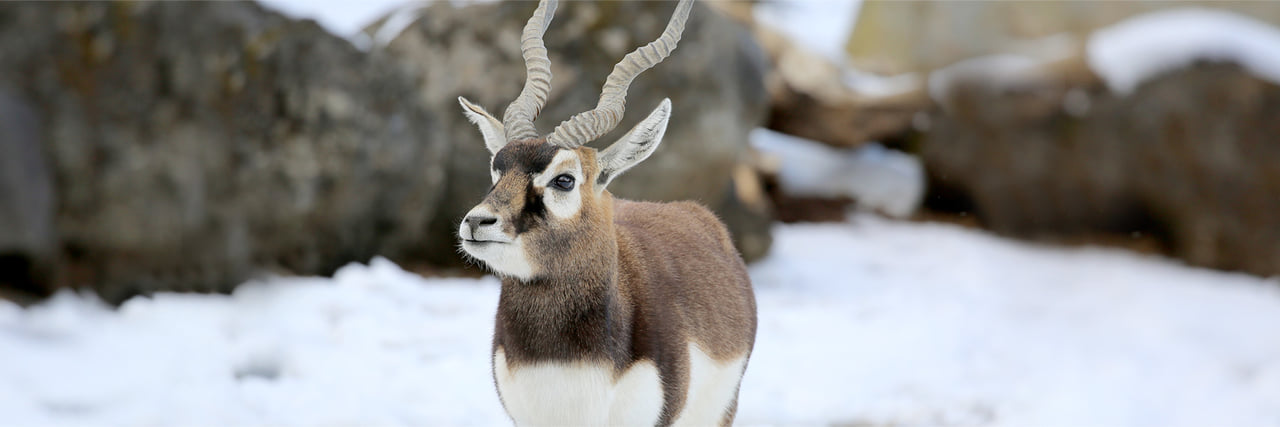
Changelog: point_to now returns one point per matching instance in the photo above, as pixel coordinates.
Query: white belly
(572, 394)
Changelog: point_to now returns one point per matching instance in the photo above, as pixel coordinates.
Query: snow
(876, 86)
(875, 322)
(1029, 64)
(344, 18)
(997, 70)
(822, 26)
(395, 24)
(879, 179)
(374, 345)
(929, 324)
(1139, 48)
(348, 18)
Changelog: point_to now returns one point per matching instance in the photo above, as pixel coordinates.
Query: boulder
(895, 37)
(27, 238)
(812, 97)
(821, 106)
(1190, 158)
(715, 80)
(195, 143)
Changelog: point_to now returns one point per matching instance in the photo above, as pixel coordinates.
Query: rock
(814, 180)
(715, 80)
(27, 238)
(895, 37)
(1189, 158)
(196, 143)
(847, 121)
(817, 99)
(746, 209)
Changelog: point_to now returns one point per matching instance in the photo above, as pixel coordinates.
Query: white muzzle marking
(499, 251)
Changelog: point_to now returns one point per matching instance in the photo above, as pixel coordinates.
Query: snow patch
(993, 71)
(344, 18)
(348, 18)
(878, 178)
(395, 23)
(875, 85)
(822, 26)
(1139, 48)
(1027, 64)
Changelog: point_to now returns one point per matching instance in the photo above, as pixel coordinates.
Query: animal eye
(563, 182)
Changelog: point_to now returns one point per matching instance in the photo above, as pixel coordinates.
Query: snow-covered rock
(879, 179)
(993, 71)
(343, 18)
(820, 26)
(1187, 159)
(1134, 50)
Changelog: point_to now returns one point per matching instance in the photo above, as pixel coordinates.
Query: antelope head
(548, 207)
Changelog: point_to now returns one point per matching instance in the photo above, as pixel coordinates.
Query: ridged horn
(518, 119)
(587, 126)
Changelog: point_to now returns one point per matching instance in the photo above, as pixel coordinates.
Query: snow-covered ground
(875, 322)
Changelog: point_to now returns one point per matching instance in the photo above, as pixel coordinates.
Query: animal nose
(476, 221)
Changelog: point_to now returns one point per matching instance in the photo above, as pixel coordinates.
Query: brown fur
(621, 282)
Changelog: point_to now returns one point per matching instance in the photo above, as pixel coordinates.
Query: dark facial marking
(528, 156)
(534, 212)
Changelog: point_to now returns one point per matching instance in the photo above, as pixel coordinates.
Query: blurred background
(148, 148)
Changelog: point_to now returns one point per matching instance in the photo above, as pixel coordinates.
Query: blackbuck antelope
(612, 312)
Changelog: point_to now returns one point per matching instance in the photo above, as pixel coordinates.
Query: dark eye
(563, 182)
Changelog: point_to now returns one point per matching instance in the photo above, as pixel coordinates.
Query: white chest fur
(561, 394)
(571, 394)
(713, 386)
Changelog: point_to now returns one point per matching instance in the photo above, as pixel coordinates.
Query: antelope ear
(490, 127)
(635, 146)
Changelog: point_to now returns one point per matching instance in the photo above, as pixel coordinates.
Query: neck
(575, 312)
